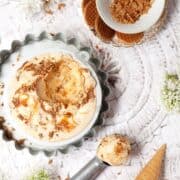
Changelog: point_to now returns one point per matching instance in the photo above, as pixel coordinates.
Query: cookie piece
(152, 170)
(129, 38)
(114, 149)
(90, 13)
(103, 31)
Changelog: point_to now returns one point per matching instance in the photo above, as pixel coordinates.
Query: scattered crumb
(61, 6)
(48, 11)
(18, 57)
(1, 119)
(40, 135)
(1, 85)
(46, 7)
(20, 142)
(52, 34)
(1, 88)
(50, 161)
(8, 133)
(67, 178)
(59, 177)
(51, 134)
(48, 3)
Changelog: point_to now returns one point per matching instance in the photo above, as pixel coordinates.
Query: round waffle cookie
(84, 3)
(108, 35)
(90, 13)
(103, 31)
(129, 39)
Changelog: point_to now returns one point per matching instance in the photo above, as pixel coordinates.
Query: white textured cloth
(135, 108)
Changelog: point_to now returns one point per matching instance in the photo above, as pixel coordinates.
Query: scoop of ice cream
(66, 82)
(114, 149)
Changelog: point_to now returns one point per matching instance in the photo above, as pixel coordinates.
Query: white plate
(144, 23)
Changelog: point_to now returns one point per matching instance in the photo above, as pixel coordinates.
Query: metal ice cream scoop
(91, 170)
(113, 150)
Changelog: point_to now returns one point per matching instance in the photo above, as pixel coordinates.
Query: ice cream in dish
(53, 97)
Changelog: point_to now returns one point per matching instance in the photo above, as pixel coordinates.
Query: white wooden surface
(135, 107)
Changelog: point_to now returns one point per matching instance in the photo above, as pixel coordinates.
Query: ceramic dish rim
(96, 115)
(130, 28)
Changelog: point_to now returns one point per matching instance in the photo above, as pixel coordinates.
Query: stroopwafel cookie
(103, 31)
(129, 39)
(90, 13)
(84, 3)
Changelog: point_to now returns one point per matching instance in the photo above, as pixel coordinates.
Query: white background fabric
(135, 108)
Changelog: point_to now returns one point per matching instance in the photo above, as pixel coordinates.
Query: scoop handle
(91, 170)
